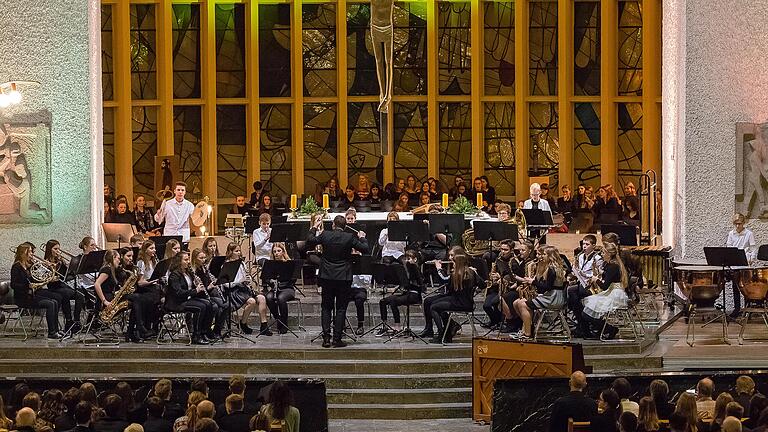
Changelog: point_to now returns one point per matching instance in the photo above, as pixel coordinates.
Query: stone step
(400, 411)
(402, 396)
(247, 367)
(621, 363)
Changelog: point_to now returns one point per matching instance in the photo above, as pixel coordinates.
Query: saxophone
(493, 277)
(594, 287)
(527, 291)
(118, 304)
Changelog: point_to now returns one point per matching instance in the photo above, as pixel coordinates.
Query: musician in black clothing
(53, 256)
(141, 303)
(25, 296)
(184, 295)
(122, 215)
(523, 256)
(279, 292)
(492, 299)
(549, 282)
(442, 292)
(240, 207)
(200, 267)
(335, 273)
(462, 282)
(409, 293)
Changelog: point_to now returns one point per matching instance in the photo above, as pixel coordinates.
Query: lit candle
(479, 199)
(445, 200)
(326, 203)
(293, 201)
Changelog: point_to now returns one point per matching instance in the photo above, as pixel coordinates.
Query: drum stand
(751, 307)
(690, 335)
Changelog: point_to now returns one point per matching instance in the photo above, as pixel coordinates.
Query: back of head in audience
(578, 381)
(757, 404)
(745, 385)
(622, 388)
(31, 400)
(25, 417)
(627, 422)
(206, 425)
(611, 400)
(163, 389)
(155, 407)
(734, 409)
(731, 424)
(678, 422)
(705, 388)
(71, 398)
(206, 409)
(88, 393)
(648, 417)
(83, 411)
(199, 385)
(134, 427)
(259, 422)
(237, 383)
(686, 405)
(234, 403)
(113, 405)
(658, 390)
(723, 399)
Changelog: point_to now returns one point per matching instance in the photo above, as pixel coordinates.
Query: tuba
(107, 316)
(473, 247)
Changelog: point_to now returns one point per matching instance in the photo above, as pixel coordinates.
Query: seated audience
(575, 405)
(155, 421)
(113, 421)
(745, 388)
(25, 420)
(259, 423)
(722, 401)
(705, 405)
(163, 390)
(678, 422)
(186, 423)
(731, 424)
(609, 410)
(5, 422)
(134, 427)
(757, 403)
(236, 386)
(627, 422)
(205, 409)
(647, 420)
(207, 425)
(622, 387)
(659, 391)
(235, 419)
(82, 417)
(686, 405)
(279, 407)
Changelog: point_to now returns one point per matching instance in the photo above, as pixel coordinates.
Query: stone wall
(715, 58)
(51, 42)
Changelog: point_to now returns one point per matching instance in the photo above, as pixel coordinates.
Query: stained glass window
(542, 44)
(320, 137)
(363, 141)
(186, 51)
(144, 127)
(500, 147)
(545, 142)
(319, 45)
(106, 52)
(230, 150)
(455, 146)
(453, 45)
(630, 48)
(230, 50)
(276, 149)
(143, 52)
(274, 50)
(499, 47)
(188, 145)
(586, 144)
(630, 143)
(361, 65)
(586, 48)
(410, 63)
(109, 147)
(410, 140)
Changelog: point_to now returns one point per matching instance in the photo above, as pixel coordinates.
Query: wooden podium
(494, 359)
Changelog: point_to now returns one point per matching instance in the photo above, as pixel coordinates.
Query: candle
(479, 199)
(445, 200)
(326, 204)
(293, 201)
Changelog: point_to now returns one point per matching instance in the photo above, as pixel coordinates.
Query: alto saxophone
(594, 287)
(118, 304)
(525, 290)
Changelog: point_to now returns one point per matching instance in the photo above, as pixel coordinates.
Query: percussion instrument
(700, 284)
(654, 262)
(752, 282)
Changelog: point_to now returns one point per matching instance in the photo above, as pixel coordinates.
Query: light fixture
(10, 94)
(14, 96)
(5, 100)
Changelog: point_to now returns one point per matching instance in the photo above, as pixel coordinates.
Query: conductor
(335, 274)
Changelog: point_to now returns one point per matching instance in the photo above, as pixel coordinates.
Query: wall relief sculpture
(25, 173)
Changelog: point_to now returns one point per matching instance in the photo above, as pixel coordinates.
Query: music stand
(762, 253)
(538, 217)
(448, 224)
(407, 231)
(90, 263)
(288, 232)
(226, 277)
(161, 269)
(162, 241)
(581, 221)
(118, 232)
(215, 266)
(495, 231)
(279, 271)
(627, 233)
(726, 257)
(384, 274)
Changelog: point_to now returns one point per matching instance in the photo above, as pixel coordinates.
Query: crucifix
(382, 38)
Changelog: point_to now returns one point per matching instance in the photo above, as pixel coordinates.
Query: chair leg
(691, 329)
(744, 320)
(446, 327)
(564, 323)
(539, 319)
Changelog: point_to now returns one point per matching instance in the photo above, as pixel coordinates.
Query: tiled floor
(452, 425)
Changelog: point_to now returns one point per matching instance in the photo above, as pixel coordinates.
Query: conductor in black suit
(335, 273)
(576, 405)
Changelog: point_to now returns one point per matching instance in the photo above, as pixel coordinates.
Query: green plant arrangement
(309, 207)
(462, 206)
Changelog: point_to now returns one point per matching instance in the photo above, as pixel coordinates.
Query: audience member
(82, 417)
(236, 386)
(207, 425)
(705, 405)
(723, 399)
(745, 388)
(659, 391)
(66, 420)
(155, 421)
(259, 423)
(199, 384)
(761, 422)
(648, 420)
(734, 409)
(88, 393)
(130, 410)
(731, 424)
(187, 422)
(757, 403)
(5, 422)
(113, 421)
(134, 427)
(686, 405)
(678, 422)
(17, 397)
(235, 419)
(575, 405)
(622, 387)
(609, 408)
(206, 409)
(51, 407)
(627, 422)
(25, 420)
(279, 407)
(163, 389)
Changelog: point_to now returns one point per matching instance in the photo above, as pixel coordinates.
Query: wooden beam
(342, 109)
(609, 64)
(651, 86)
(165, 145)
(433, 137)
(297, 91)
(565, 91)
(121, 38)
(477, 88)
(522, 137)
(253, 121)
(208, 80)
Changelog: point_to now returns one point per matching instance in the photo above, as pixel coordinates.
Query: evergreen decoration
(461, 205)
(309, 207)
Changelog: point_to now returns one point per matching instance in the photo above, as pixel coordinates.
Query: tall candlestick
(293, 201)
(326, 201)
(479, 199)
(445, 200)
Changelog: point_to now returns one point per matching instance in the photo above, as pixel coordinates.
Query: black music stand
(225, 278)
(407, 231)
(90, 263)
(118, 232)
(162, 240)
(251, 223)
(279, 271)
(452, 225)
(216, 263)
(538, 221)
(762, 253)
(581, 221)
(289, 233)
(727, 257)
(627, 233)
(161, 269)
(495, 231)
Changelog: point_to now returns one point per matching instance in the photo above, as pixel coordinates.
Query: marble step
(402, 396)
(620, 363)
(399, 411)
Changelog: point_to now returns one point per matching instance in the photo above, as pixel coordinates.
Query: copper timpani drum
(700, 284)
(752, 282)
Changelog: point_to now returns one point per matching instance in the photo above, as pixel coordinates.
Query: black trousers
(336, 295)
(202, 314)
(219, 313)
(67, 294)
(359, 296)
(492, 307)
(442, 306)
(576, 293)
(596, 325)
(154, 312)
(44, 299)
(278, 303)
(396, 300)
(427, 308)
(140, 308)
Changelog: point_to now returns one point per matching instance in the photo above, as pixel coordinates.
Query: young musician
(241, 295)
(613, 283)
(565, 203)
(87, 245)
(391, 251)
(349, 198)
(107, 284)
(176, 212)
(581, 201)
(409, 293)
(335, 273)
(280, 292)
(200, 268)
(122, 215)
(402, 203)
(185, 295)
(359, 291)
(428, 301)
(240, 206)
(742, 238)
(211, 249)
(172, 248)
(265, 206)
(588, 262)
(462, 282)
(550, 285)
(141, 306)
(605, 205)
(492, 304)
(377, 195)
(145, 222)
(59, 286)
(412, 188)
(137, 240)
(258, 189)
(524, 255)
(25, 295)
(261, 245)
